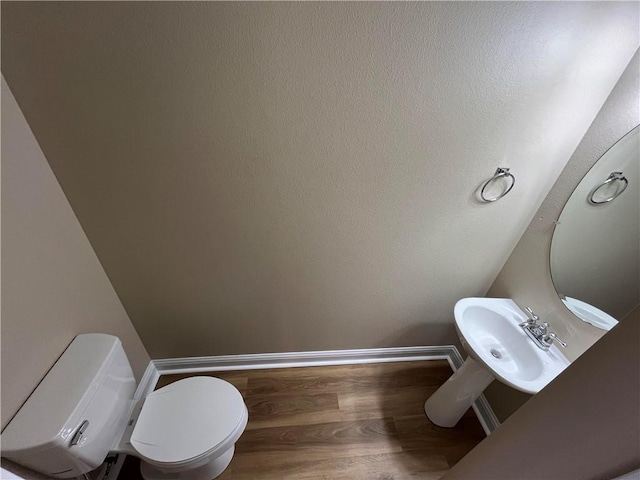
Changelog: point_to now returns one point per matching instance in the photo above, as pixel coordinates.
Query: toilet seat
(188, 420)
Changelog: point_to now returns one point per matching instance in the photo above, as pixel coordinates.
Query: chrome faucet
(533, 318)
(539, 332)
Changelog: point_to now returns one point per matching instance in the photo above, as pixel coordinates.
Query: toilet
(84, 409)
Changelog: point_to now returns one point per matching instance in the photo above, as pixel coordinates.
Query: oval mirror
(595, 249)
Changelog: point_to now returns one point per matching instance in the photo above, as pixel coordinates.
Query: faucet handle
(532, 316)
(550, 337)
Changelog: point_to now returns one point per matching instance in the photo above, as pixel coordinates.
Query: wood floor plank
(418, 435)
(335, 438)
(271, 462)
(348, 378)
(385, 466)
(383, 403)
(277, 410)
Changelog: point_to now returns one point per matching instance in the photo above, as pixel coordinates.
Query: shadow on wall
(504, 400)
(423, 335)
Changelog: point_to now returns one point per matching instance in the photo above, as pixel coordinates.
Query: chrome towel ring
(613, 177)
(500, 173)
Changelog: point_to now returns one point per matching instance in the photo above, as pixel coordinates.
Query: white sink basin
(489, 331)
(590, 314)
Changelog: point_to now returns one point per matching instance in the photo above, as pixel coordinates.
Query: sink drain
(496, 353)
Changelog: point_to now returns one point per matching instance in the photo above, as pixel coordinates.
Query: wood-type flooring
(351, 422)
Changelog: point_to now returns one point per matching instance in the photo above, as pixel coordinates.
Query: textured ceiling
(295, 176)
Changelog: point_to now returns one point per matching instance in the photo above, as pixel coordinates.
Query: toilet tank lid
(52, 413)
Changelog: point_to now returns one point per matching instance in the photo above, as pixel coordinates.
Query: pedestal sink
(498, 348)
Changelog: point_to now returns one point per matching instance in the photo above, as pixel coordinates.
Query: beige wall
(271, 176)
(583, 426)
(53, 286)
(526, 277)
(635, 313)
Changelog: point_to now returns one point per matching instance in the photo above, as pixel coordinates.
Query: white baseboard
(148, 381)
(258, 361)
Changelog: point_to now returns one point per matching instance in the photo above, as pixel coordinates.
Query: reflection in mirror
(595, 249)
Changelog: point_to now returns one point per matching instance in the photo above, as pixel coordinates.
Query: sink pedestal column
(449, 403)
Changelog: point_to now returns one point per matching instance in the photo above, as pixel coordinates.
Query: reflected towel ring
(500, 173)
(614, 176)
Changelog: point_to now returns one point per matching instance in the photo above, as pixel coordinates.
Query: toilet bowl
(188, 429)
(84, 409)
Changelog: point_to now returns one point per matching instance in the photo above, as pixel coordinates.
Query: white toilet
(84, 409)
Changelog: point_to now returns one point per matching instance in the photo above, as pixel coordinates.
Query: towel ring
(500, 172)
(614, 176)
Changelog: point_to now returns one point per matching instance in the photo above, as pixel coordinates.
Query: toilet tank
(78, 411)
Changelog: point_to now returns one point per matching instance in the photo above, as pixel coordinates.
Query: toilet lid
(187, 419)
